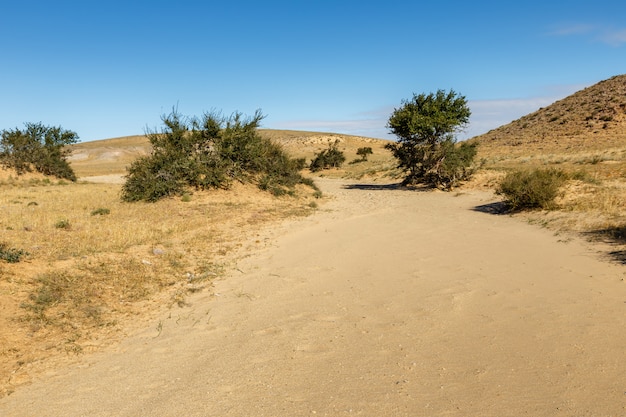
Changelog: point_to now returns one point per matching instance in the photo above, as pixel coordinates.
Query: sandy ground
(385, 303)
(105, 179)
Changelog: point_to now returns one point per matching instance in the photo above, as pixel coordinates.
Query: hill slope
(591, 119)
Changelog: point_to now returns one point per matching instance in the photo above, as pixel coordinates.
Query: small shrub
(100, 212)
(10, 255)
(63, 224)
(363, 152)
(328, 158)
(52, 290)
(536, 189)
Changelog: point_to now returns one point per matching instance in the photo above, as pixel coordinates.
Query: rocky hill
(588, 120)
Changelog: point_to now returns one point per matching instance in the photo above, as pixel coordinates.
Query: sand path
(385, 303)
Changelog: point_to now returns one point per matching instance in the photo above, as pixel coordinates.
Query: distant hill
(112, 156)
(591, 119)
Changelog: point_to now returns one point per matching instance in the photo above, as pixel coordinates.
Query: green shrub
(63, 224)
(11, 255)
(536, 189)
(100, 212)
(210, 152)
(38, 147)
(328, 158)
(363, 152)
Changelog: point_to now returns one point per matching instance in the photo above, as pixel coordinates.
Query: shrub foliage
(10, 255)
(328, 158)
(210, 152)
(38, 147)
(363, 152)
(426, 149)
(531, 189)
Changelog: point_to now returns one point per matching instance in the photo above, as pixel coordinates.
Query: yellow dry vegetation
(90, 264)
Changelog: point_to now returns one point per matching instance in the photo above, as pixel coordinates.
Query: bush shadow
(384, 187)
(496, 208)
(616, 236)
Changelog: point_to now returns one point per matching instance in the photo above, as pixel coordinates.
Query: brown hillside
(589, 120)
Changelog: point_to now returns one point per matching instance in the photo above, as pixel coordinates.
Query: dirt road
(385, 303)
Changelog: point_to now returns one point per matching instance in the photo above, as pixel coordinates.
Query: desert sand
(386, 302)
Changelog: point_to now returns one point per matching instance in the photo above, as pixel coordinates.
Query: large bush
(426, 148)
(38, 147)
(531, 189)
(210, 152)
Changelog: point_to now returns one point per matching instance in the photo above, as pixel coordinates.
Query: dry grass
(93, 262)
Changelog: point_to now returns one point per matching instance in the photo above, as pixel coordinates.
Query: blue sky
(112, 68)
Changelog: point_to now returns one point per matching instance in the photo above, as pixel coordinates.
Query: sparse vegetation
(63, 224)
(11, 255)
(364, 152)
(88, 279)
(328, 158)
(39, 148)
(426, 149)
(209, 152)
(100, 211)
(534, 189)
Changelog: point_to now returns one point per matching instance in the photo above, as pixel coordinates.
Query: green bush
(457, 164)
(209, 152)
(63, 224)
(363, 152)
(536, 189)
(10, 255)
(100, 212)
(328, 158)
(38, 147)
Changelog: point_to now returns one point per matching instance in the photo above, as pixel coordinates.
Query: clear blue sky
(111, 68)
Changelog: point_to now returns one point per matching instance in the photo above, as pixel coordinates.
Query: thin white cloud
(611, 36)
(614, 37)
(575, 29)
